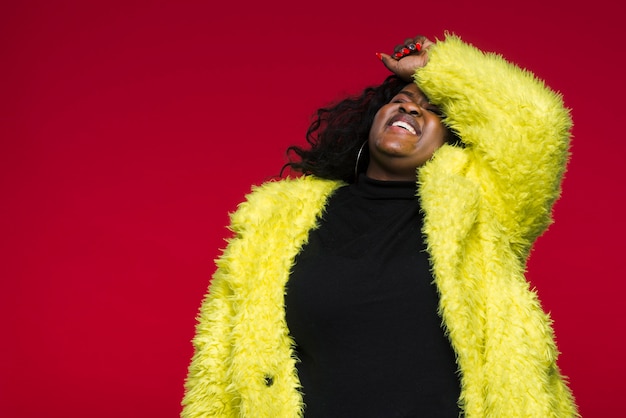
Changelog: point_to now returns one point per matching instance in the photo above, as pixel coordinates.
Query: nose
(410, 108)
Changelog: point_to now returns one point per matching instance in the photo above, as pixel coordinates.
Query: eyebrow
(407, 93)
(416, 97)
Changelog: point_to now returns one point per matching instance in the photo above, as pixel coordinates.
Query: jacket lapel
(451, 203)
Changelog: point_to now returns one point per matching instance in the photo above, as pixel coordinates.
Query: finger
(427, 43)
(423, 41)
(389, 62)
(414, 47)
(410, 46)
(402, 51)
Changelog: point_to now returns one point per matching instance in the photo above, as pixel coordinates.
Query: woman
(398, 291)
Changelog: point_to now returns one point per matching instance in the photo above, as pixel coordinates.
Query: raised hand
(407, 57)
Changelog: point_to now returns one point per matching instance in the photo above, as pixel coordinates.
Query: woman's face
(404, 135)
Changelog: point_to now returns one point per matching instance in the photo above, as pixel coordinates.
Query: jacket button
(269, 380)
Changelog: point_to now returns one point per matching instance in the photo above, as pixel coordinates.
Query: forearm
(515, 128)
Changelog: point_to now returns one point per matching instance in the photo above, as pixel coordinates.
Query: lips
(405, 122)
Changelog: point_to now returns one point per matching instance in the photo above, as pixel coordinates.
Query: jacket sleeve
(515, 135)
(206, 387)
(511, 123)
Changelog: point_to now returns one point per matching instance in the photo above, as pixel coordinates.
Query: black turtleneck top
(362, 308)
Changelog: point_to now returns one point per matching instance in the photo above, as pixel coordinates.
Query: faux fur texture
(485, 205)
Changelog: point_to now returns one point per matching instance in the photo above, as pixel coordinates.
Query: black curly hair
(338, 131)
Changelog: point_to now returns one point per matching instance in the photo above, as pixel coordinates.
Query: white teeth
(404, 125)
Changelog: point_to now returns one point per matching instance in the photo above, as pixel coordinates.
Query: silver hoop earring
(356, 165)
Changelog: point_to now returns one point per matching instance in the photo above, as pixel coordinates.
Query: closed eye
(406, 97)
(436, 111)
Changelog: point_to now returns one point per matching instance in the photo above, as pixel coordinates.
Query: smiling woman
(404, 135)
(385, 276)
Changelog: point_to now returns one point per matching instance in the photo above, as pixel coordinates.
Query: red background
(128, 131)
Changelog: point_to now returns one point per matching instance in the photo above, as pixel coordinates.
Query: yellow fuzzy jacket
(484, 205)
